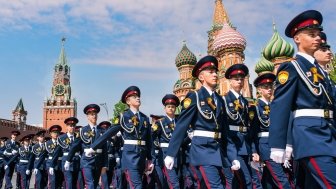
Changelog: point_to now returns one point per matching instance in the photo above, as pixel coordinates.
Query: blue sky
(112, 44)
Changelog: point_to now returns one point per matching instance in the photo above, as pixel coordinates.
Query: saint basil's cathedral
(228, 45)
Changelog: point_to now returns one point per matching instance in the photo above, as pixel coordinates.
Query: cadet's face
(54, 135)
(92, 117)
(40, 139)
(170, 109)
(133, 101)
(237, 82)
(209, 77)
(13, 137)
(266, 90)
(308, 41)
(323, 55)
(26, 142)
(70, 128)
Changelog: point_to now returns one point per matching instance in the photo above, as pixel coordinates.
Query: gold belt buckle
(216, 135)
(241, 129)
(326, 114)
(139, 142)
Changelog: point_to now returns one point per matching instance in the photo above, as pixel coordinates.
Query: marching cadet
(2, 159)
(25, 152)
(203, 109)
(91, 165)
(54, 162)
(65, 141)
(136, 131)
(162, 130)
(240, 147)
(323, 54)
(137, 139)
(260, 125)
(37, 161)
(157, 175)
(107, 175)
(303, 88)
(11, 155)
(118, 176)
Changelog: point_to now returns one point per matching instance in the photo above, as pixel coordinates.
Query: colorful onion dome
(277, 47)
(177, 84)
(264, 66)
(185, 57)
(228, 38)
(184, 83)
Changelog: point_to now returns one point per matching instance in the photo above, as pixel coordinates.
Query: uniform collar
(235, 93)
(93, 126)
(264, 101)
(134, 111)
(171, 119)
(209, 90)
(69, 135)
(307, 57)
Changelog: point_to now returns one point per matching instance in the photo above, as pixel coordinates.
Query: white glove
(35, 171)
(51, 171)
(119, 134)
(6, 166)
(235, 165)
(191, 135)
(289, 152)
(277, 155)
(287, 164)
(169, 162)
(66, 165)
(89, 152)
(117, 160)
(27, 172)
(14, 152)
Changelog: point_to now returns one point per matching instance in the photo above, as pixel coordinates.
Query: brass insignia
(89, 134)
(237, 105)
(316, 75)
(283, 77)
(145, 123)
(67, 141)
(172, 126)
(251, 115)
(186, 102)
(211, 103)
(267, 110)
(155, 127)
(77, 134)
(135, 120)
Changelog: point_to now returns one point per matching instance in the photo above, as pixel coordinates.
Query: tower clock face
(59, 89)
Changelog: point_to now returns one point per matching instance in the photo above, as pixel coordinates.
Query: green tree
(332, 73)
(118, 108)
